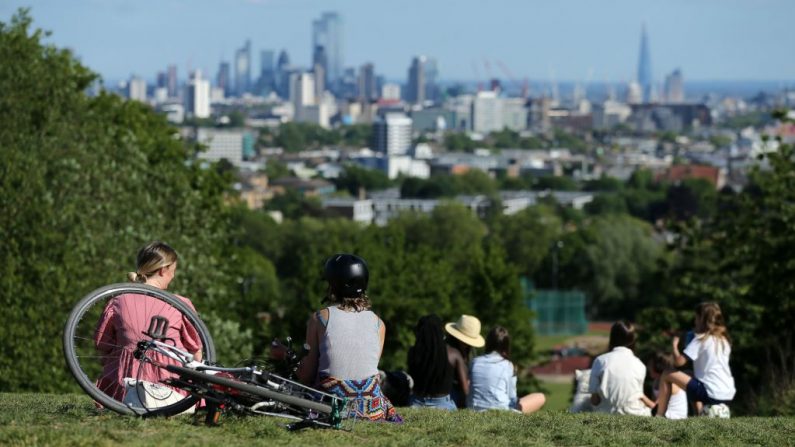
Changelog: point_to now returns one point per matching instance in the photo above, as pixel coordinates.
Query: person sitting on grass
(677, 406)
(346, 340)
(463, 335)
(713, 383)
(493, 378)
(429, 367)
(616, 383)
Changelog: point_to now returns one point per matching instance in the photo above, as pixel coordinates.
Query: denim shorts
(697, 392)
(442, 403)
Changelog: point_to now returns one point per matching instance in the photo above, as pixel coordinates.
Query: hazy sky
(567, 39)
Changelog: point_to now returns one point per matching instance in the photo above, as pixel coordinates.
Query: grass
(40, 419)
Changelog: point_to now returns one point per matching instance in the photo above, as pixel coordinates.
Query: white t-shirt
(710, 358)
(617, 377)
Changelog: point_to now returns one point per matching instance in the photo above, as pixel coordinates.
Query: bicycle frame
(257, 391)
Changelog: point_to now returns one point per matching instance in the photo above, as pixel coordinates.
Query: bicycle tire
(79, 365)
(254, 390)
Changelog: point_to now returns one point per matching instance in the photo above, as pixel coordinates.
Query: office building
(675, 87)
(172, 85)
(327, 34)
(136, 89)
(392, 134)
(487, 112)
(198, 97)
(432, 90)
(390, 91)
(223, 79)
(415, 89)
(243, 69)
(368, 90)
(283, 75)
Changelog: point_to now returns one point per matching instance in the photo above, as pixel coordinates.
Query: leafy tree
(459, 142)
(355, 177)
(84, 182)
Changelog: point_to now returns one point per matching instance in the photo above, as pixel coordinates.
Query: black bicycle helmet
(347, 275)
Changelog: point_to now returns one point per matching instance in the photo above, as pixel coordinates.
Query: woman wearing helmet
(346, 339)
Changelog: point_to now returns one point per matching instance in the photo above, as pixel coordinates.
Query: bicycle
(249, 389)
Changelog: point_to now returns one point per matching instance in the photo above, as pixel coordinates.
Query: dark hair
(427, 359)
(499, 340)
(462, 347)
(661, 362)
(622, 334)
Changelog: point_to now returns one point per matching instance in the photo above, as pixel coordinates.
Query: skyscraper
(644, 66)
(198, 100)
(675, 87)
(267, 72)
(172, 81)
(223, 79)
(368, 90)
(415, 91)
(243, 69)
(432, 91)
(283, 75)
(327, 34)
(319, 69)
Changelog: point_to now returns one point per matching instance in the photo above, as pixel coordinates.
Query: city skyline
(710, 40)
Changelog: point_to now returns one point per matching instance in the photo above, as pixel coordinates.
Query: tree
(355, 177)
(84, 182)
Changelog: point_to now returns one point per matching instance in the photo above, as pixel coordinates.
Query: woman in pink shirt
(127, 317)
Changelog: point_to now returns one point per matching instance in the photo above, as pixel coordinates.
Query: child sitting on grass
(677, 404)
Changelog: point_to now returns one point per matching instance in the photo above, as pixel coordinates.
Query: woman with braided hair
(429, 367)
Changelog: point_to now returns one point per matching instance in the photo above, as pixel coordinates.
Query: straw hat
(466, 329)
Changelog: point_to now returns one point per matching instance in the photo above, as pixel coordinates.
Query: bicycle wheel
(254, 390)
(93, 368)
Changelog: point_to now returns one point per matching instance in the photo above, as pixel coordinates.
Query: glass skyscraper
(644, 66)
(327, 37)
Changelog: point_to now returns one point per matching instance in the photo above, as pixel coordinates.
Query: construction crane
(523, 87)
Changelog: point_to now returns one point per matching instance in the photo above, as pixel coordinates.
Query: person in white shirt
(616, 383)
(677, 404)
(713, 383)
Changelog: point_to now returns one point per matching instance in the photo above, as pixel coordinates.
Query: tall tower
(644, 66)
(243, 69)
(222, 79)
(416, 86)
(327, 34)
(675, 87)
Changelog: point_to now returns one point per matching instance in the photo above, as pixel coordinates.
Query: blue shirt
(493, 383)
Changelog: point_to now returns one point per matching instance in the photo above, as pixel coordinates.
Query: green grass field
(40, 419)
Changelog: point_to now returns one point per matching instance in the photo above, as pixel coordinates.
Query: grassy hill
(43, 419)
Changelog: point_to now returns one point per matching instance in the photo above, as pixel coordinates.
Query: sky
(564, 40)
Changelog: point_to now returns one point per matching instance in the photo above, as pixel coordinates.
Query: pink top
(121, 327)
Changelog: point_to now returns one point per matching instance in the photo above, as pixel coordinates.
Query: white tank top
(677, 406)
(350, 347)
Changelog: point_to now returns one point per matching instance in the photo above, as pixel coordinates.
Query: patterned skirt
(368, 401)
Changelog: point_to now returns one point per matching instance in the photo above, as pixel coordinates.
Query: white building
(221, 144)
(390, 92)
(514, 114)
(392, 134)
(136, 89)
(175, 113)
(302, 93)
(198, 98)
(487, 112)
(609, 114)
